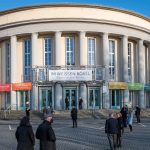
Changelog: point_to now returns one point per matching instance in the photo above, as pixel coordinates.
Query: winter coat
(74, 113)
(25, 138)
(46, 136)
(111, 126)
(130, 117)
(120, 126)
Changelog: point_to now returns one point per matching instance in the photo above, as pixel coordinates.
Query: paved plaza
(89, 135)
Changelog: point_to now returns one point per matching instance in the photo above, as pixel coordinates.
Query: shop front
(23, 94)
(5, 95)
(134, 89)
(147, 95)
(116, 94)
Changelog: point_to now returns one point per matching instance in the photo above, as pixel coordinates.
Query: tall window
(129, 60)
(8, 62)
(112, 59)
(27, 59)
(91, 51)
(70, 51)
(48, 51)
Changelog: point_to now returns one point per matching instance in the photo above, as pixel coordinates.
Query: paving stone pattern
(89, 135)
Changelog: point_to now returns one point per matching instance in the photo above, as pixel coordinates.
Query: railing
(7, 111)
(41, 73)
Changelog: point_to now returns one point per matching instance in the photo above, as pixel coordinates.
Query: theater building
(52, 52)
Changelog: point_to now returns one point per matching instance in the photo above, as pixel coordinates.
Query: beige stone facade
(116, 41)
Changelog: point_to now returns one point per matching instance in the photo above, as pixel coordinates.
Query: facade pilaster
(105, 43)
(141, 71)
(58, 102)
(83, 50)
(125, 67)
(13, 41)
(59, 55)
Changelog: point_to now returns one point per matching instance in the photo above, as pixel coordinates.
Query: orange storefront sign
(22, 86)
(5, 87)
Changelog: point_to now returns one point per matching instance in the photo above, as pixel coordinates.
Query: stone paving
(89, 135)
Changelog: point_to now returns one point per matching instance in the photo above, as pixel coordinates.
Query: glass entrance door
(94, 98)
(116, 99)
(23, 98)
(45, 98)
(70, 98)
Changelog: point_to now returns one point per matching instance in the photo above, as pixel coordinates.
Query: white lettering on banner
(70, 75)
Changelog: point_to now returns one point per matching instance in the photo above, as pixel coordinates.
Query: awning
(24, 86)
(136, 86)
(5, 87)
(118, 85)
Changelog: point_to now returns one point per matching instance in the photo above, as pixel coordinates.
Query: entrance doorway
(116, 99)
(23, 99)
(71, 99)
(45, 97)
(94, 98)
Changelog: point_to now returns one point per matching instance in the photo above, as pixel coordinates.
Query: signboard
(136, 86)
(70, 75)
(5, 87)
(22, 86)
(118, 85)
(147, 87)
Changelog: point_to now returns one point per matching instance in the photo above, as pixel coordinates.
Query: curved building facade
(53, 54)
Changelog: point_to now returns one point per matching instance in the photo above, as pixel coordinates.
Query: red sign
(5, 87)
(25, 86)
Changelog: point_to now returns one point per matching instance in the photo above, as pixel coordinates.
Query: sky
(141, 7)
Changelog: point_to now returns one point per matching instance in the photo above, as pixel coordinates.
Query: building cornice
(73, 5)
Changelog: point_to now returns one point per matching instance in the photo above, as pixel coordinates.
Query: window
(130, 48)
(27, 59)
(112, 59)
(48, 51)
(91, 51)
(70, 51)
(8, 59)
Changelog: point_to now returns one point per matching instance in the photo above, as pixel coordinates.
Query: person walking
(46, 135)
(74, 113)
(137, 113)
(130, 119)
(24, 135)
(111, 129)
(120, 130)
(124, 113)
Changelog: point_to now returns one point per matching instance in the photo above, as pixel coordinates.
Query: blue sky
(139, 6)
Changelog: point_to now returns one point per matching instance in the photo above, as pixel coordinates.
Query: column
(34, 42)
(148, 63)
(58, 103)
(83, 50)
(35, 98)
(83, 94)
(105, 43)
(13, 42)
(125, 68)
(58, 52)
(141, 71)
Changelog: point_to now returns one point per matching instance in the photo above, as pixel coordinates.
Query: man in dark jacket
(74, 116)
(111, 128)
(46, 134)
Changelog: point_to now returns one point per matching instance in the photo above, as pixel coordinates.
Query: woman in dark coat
(74, 116)
(24, 135)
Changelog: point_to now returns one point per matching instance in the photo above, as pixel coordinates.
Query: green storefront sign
(147, 87)
(136, 86)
